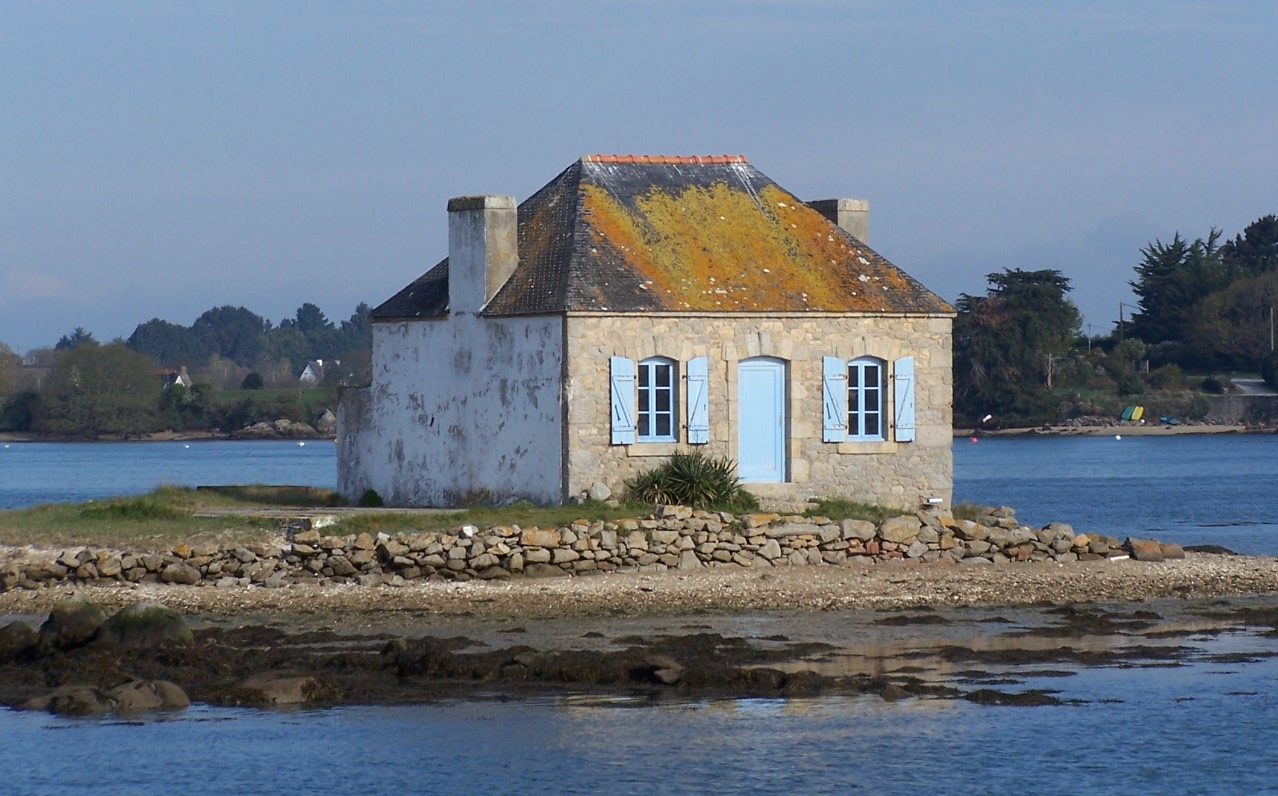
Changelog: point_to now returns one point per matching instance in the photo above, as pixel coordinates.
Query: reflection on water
(1219, 724)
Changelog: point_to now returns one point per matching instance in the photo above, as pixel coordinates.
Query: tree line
(81, 387)
(1202, 306)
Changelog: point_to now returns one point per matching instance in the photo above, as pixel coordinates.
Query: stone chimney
(483, 249)
(853, 215)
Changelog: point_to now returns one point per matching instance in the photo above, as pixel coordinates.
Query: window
(854, 399)
(865, 398)
(655, 417)
(645, 400)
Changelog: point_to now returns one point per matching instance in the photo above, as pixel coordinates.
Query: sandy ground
(878, 587)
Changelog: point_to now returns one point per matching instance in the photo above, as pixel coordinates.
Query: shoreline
(926, 632)
(1124, 428)
(1120, 427)
(888, 585)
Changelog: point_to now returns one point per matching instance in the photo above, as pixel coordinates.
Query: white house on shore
(641, 305)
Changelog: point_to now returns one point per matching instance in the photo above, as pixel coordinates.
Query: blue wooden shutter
(698, 401)
(834, 399)
(623, 401)
(903, 389)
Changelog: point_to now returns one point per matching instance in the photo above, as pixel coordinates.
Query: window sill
(868, 446)
(640, 449)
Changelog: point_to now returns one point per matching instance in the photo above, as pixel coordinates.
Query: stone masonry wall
(886, 473)
(674, 538)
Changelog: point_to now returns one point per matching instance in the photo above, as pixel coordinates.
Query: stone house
(636, 306)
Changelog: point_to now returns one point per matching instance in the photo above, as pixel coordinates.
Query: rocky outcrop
(280, 429)
(674, 538)
(133, 697)
(145, 624)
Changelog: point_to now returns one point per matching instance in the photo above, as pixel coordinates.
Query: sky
(161, 158)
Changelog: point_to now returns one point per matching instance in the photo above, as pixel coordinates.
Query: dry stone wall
(675, 538)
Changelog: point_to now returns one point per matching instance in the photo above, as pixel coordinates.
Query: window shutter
(698, 401)
(903, 390)
(834, 399)
(623, 400)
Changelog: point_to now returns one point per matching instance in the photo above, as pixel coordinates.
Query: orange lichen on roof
(688, 159)
(723, 248)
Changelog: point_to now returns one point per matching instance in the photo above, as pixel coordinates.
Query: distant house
(637, 306)
(313, 373)
(178, 376)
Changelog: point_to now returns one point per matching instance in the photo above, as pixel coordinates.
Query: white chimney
(483, 249)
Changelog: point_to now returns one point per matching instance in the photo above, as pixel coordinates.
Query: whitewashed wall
(462, 408)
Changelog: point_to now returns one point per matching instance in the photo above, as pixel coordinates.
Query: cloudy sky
(160, 158)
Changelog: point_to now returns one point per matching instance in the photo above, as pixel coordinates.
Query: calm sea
(1202, 728)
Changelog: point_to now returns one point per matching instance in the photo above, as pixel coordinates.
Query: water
(57, 472)
(1200, 728)
(1191, 489)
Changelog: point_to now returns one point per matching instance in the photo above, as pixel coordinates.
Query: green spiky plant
(693, 479)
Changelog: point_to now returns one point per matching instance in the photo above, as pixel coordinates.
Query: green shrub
(146, 507)
(693, 479)
(1168, 377)
(968, 511)
(253, 381)
(370, 499)
(1213, 385)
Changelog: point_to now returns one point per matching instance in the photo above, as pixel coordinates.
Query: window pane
(663, 400)
(644, 394)
(644, 426)
(854, 377)
(663, 425)
(643, 376)
(663, 375)
(872, 424)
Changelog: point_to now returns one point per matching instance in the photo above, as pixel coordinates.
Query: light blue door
(761, 419)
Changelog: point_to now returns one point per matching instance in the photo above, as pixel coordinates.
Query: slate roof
(678, 234)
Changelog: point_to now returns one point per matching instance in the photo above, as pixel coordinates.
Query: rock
(370, 579)
(894, 693)
(902, 529)
(1144, 549)
(771, 550)
(1172, 551)
(145, 624)
(967, 530)
(538, 570)
(341, 567)
(1059, 529)
(71, 623)
(688, 560)
(144, 695)
(326, 423)
(858, 529)
(183, 574)
(70, 700)
(536, 537)
(599, 491)
(269, 689)
(665, 670)
(16, 640)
